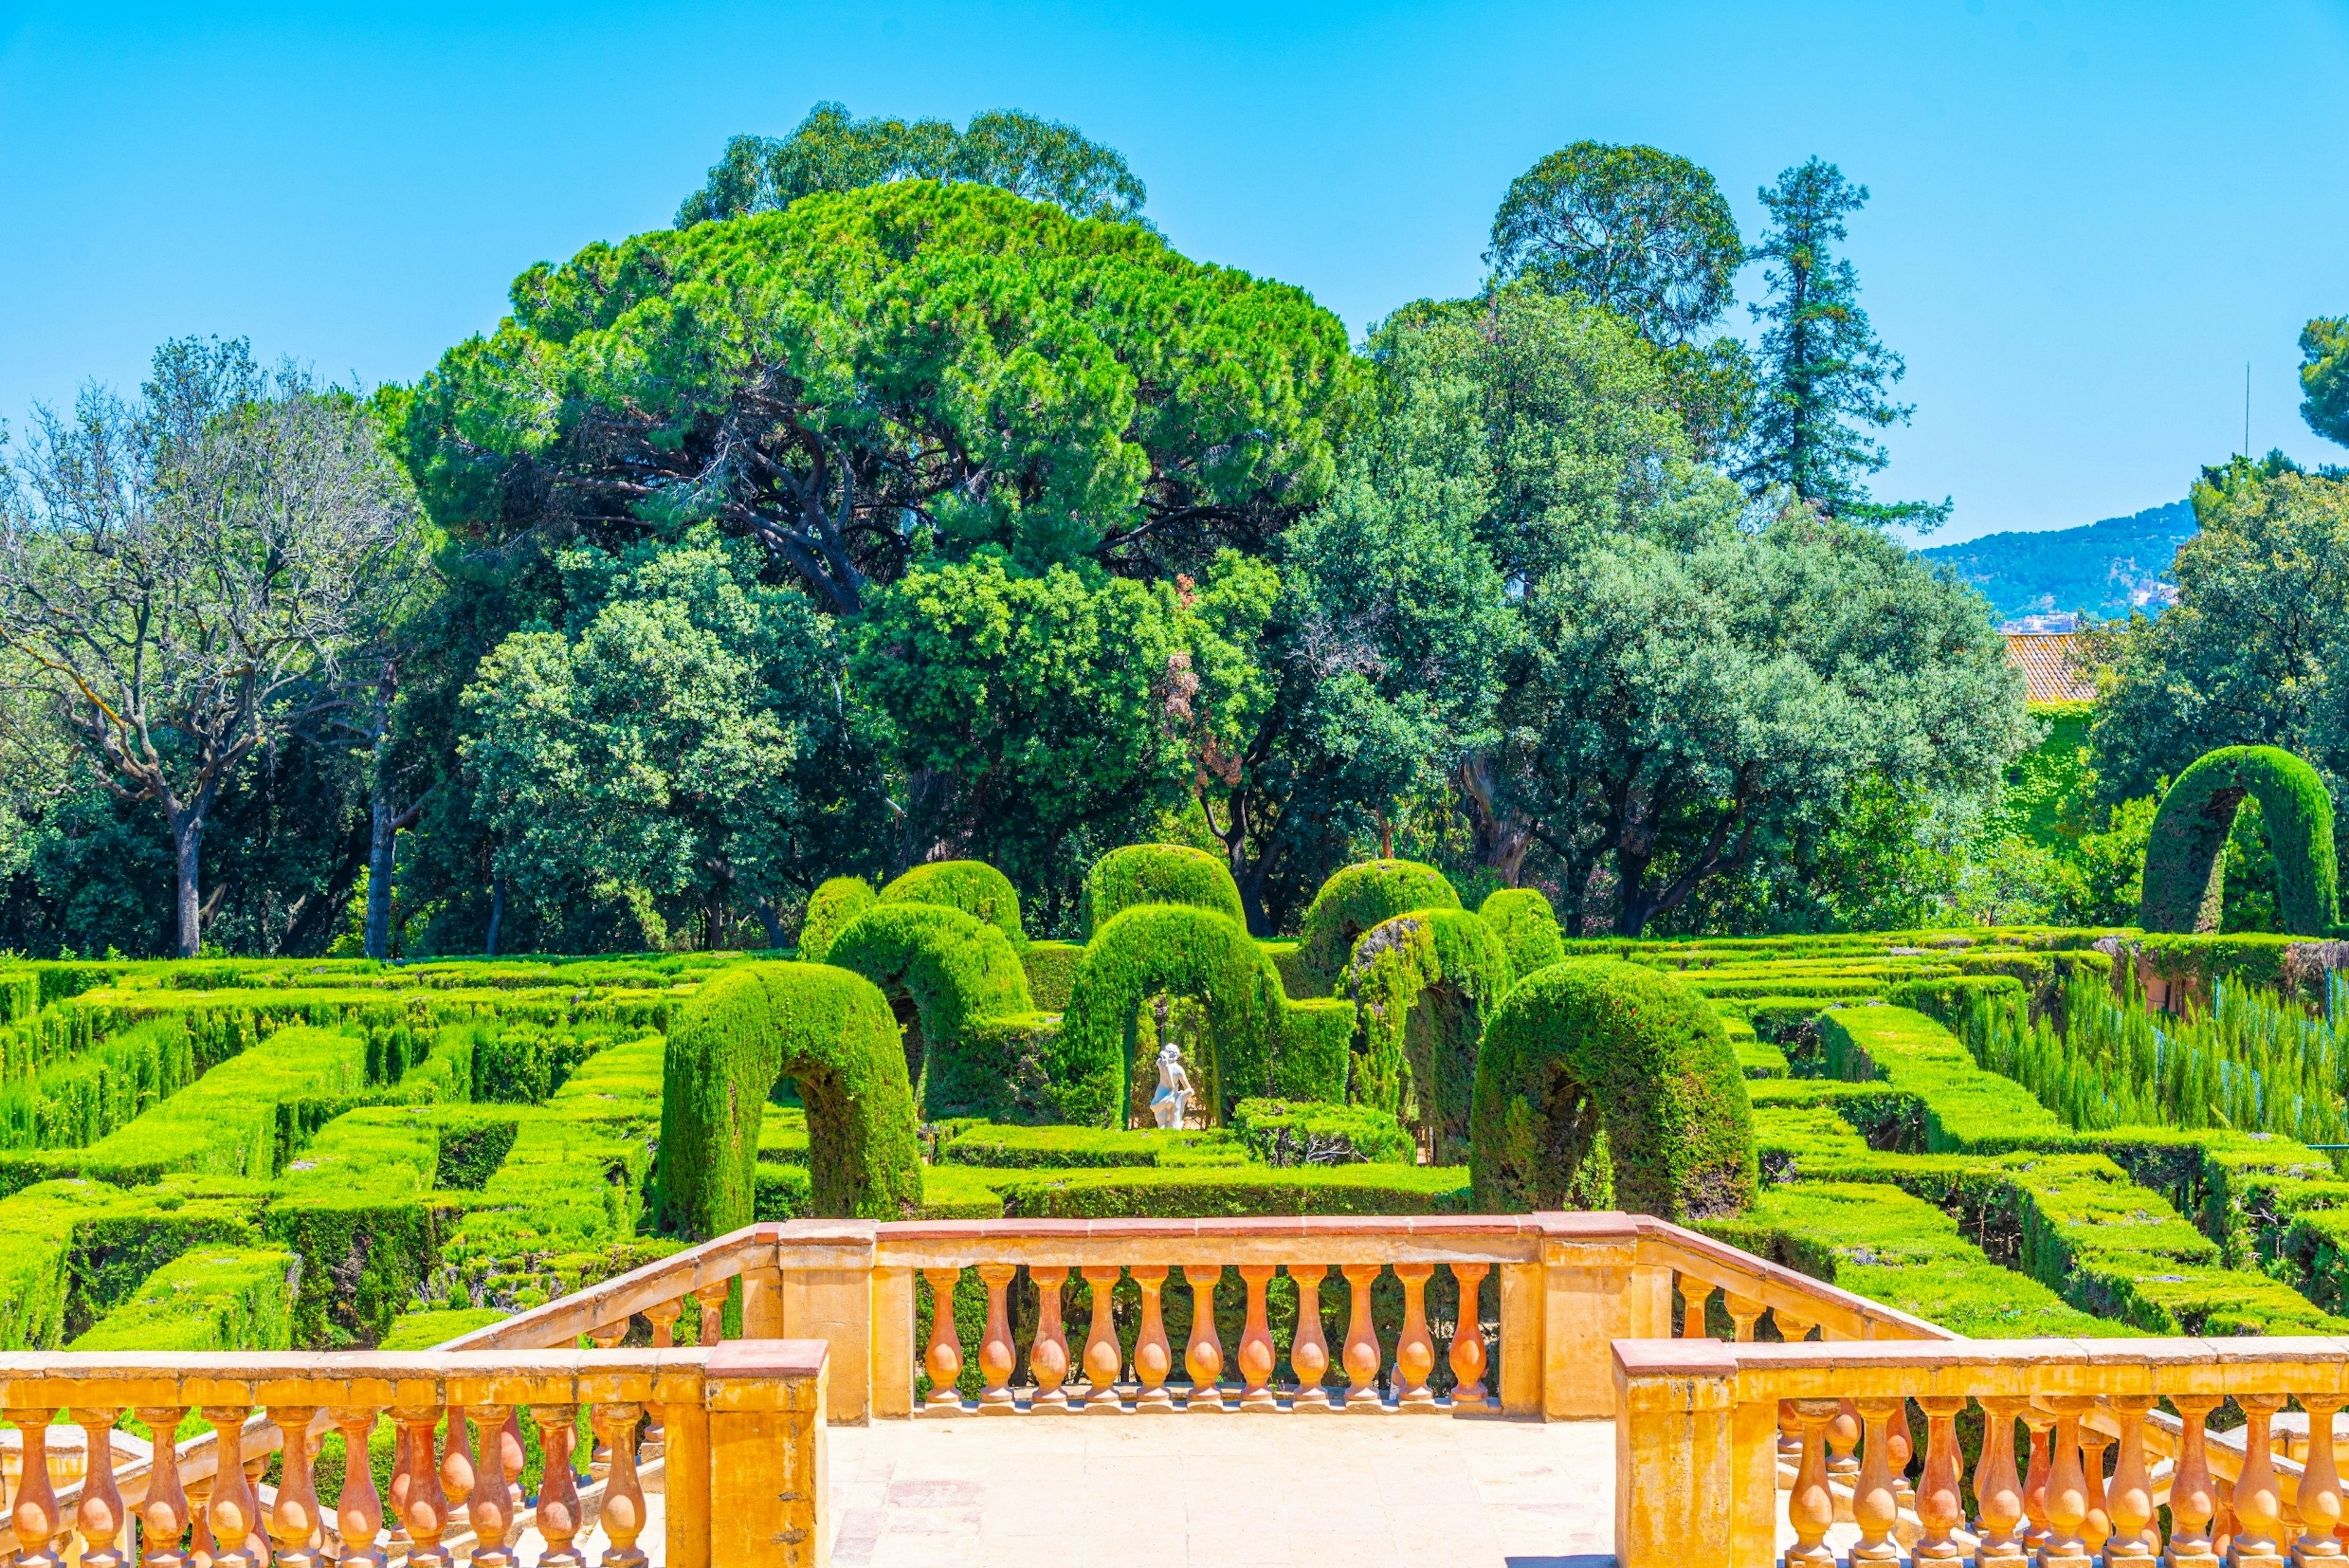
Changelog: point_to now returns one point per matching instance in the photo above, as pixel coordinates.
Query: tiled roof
(2050, 670)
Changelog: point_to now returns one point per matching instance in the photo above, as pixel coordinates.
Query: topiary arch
(1426, 982)
(1526, 926)
(1159, 873)
(1357, 897)
(973, 886)
(1262, 1042)
(833, 1033)
(829, 909)
(2185, 873)
(1607, 1084)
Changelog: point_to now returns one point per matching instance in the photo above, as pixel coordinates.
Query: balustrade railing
(1749, 1454)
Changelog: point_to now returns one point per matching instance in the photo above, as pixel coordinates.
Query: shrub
(1355, 899)
(1051, 973)
(832, 1031)
(1527, 926)
(1159, 873)
(956, 970)
(1162, 1194)
(1287, 1133)
(72, 1250)
(1071, 1149)
(357, 1209)
(1425, 983)
(2184, 875)
(829, 909)
(207, 1300)
(1598, 1047)
(77, 1101)
(974, 886)
(436, 1327)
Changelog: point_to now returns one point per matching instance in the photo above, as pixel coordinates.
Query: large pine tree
(1825, 374)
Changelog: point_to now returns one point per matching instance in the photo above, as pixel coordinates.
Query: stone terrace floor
(1204, 1491)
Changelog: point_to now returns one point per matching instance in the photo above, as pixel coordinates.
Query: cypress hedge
(958, 971)
(1527, 926)
(1425, 983)
(2185, 873)
(1159, 873)
(973, 886)
(1355, 899)
(829, 909)
(833, 1032)
(1606, 1084)
(206, 1299)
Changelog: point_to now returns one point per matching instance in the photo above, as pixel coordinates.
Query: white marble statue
(1174, 1092)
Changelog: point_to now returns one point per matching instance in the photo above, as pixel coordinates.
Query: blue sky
(2086, 218)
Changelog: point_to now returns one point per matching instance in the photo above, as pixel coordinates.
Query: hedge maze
(1989, 1128)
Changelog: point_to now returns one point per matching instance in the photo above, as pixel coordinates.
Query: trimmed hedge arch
(959, 973)
(1527, 926)
(832, 1031)
(1357, 897)
(1598, 1057)
(829, 909)
(1425, 983)
(2185, 871)
(1159, 873)
(1263, 1044)
(971, 886)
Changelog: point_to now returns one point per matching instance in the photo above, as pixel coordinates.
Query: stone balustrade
(744, 1480)
(1749, 1454)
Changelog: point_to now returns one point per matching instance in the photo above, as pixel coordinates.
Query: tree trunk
(769, 918)
(383, 839)
(1503, 838)
(497, 914)
(187, 837)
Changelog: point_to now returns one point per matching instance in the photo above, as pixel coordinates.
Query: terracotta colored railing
(744, 1483)
(1749, 1454)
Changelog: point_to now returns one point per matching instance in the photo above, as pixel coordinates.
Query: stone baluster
(1793, 1330)
(1362, 1355)
(1203, 1355)
(1898, 1445)
(1810, 1509)
(1415, 1350)
(426, 1506)
(2193, 1497)
(997, 1353)
(1256, 1354)
(1048, 1356)
(1467, 1354)
(944, 1362)
(599, 1457)
(2258, 1499)
(623, 1516)
(400, 1480)
(1843, 1457)
(256, 1540)
(1875, 1506)
(2067, 1487)
(1104, 1359)
(1998, 1491)
(2320, 1485)
(100, 1519)
(296, 1517)
(1153, 1357)
(234, 1513)
(663, 1316)
(1308, 1349)
(2097, 1527)
(359, 1514)
(1694, 1294)
(458, 1470)
(558, 1490)
(1941, 1505)
(2129, 1500)
(511, 1458)
(711, 1300)
(36, 1515)
(490, 1512)
(2039, 1424)
(199, 1514)
(163, 1517)
(1743, 1313)
(1790, 1434)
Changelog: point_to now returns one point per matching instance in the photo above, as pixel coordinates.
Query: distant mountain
(2106, 568)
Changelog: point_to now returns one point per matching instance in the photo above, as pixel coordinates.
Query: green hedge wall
(1598, 1049)
(833, 1032)
(2184, 885)
(1425, 983)
(210, 1299)
(1528, 927)
(974, 886)
(1355, 899)
(1159, 873)
(1287, 1133)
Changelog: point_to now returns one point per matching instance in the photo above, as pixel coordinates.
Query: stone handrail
(1703, 1429)
(743, 1461)
(704, 1275)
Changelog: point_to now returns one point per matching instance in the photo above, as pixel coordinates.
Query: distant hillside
(2106, 568)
